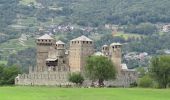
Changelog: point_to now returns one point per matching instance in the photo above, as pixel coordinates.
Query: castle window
(83, 42)
(46, 40)
(49, 40)
(90, 42)
(87, 42)
(78, 42)
(42, 40)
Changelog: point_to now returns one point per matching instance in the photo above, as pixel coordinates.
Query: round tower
(105, 50)
(80, 49)
(60, 47)
(43, 46)
(116, 55)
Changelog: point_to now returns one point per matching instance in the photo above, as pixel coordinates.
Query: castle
(55, 62)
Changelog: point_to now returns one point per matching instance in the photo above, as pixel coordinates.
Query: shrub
(146, 81)
(76, 78)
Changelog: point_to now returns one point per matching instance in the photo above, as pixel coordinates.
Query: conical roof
(105, 45)
(60, 42)
(82, 38)
(98, 54)
(116, 44)
(45, 36)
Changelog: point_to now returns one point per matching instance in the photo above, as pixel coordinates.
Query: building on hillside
(55, 62)
(166, 28)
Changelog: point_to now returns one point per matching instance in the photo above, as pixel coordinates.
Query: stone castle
(55, 62)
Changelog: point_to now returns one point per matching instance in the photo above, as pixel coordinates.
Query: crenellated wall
(43, 78)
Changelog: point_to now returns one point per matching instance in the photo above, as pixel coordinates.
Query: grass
(128, 35)
(25, 2)
(54, 93)
(13, 46)
(3, 62)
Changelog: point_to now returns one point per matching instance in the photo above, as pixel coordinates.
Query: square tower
(80, 49)
(44, 43)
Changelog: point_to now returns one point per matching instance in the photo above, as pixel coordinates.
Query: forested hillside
(97, 12)
(136, 23)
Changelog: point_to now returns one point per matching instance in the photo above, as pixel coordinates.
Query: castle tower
(62, 59)
(116, 55)
(56, 57)
(105, 50)
(80, 49)
(44, 43)
(60, 47)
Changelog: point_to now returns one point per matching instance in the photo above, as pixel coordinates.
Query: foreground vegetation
(51, 93)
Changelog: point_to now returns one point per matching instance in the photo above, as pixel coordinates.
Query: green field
(54, 93)
(27, 1)
(128, 35)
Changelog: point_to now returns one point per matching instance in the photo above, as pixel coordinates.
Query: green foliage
(146, 81)
(8, 74)
(142, 71)
(150, 44)
(143, 28)
(23, 58)
(160, 70)
(76, 78)
(100, 68)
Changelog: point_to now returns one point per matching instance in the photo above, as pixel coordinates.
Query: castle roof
(98, 54)
(105, 45)
(113, 44)
(82, 38)
(45, 36)
(60, 42)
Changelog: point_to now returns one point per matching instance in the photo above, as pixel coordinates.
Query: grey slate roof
(82, 38)
(45, 36)
(116, 44)
(60, 42)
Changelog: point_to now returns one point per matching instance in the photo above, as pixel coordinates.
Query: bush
(76, 78)
(8, 74)
(146, 82)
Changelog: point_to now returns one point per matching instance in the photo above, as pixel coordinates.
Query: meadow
(54, 93)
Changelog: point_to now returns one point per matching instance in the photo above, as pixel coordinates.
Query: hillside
(131, 21)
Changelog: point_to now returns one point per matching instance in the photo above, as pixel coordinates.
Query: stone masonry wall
(43, 78)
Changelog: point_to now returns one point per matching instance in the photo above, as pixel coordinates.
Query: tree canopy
(160, 70)
(8, 74)
(100, 68)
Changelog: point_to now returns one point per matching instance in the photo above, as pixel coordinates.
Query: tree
(100, 68)
(76, 78)
(8, 74)
(146, 81)
(160, 70)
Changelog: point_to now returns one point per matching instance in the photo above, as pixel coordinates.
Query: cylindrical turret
(60, 47)
(116, 55)
(105, 50)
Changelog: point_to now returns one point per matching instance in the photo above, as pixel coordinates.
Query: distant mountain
(87, 17)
